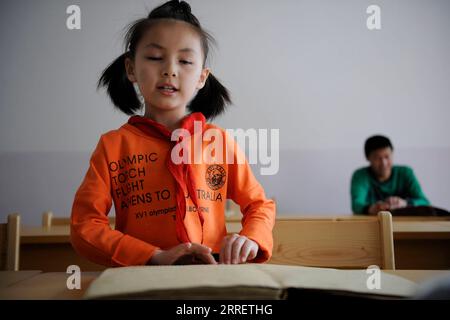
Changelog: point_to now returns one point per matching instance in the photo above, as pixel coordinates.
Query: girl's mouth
(167, 89)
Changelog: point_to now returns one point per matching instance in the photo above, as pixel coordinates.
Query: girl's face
(168, 65)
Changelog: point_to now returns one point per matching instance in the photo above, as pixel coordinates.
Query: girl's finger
(253, 252)
(236, 249)
(206, 258)
(245, 251)
(200, 249)
(227, 248)
(222, 252)
(173, 254)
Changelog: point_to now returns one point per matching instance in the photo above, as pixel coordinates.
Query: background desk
(422, 244)
(49, 250)
(419, 244)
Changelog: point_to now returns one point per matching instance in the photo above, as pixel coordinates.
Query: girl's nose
(169, 70)
(166, 74)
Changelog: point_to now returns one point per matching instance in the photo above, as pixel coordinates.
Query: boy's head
(378, 150)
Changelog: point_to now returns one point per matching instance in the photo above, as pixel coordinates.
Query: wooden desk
(53, 286)
(54, 234)
(419, 276)
(9, 278)
(50, 250)
(404, 229)
(419, 242)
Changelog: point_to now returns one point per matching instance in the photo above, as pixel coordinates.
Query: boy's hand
(237, 249)
(377, 207)
(185, 253)
(396, 202)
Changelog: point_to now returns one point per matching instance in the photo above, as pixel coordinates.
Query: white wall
(309, 68)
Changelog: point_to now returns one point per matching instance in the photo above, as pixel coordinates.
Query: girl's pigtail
(212, 99)
(120, 89)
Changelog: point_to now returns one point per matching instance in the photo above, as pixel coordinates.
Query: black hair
(211, 100)
(376, 142)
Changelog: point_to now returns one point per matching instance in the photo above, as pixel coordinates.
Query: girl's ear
(203, 77)
(129, 68)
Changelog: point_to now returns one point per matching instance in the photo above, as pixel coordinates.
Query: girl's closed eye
(154, 58)
(186, 62)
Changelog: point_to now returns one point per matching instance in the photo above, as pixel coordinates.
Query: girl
(167, 212)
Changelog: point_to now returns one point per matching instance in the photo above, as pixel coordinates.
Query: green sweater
(366, 190)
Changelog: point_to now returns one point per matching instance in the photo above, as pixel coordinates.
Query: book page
(173, 282)
(257, 281)
(354, 281)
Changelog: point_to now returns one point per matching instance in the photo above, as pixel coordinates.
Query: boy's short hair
(376, 142)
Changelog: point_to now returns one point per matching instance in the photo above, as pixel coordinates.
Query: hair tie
(186, 7)
(182, 7)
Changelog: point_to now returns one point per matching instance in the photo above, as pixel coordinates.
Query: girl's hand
(185, 253)
(237, 249)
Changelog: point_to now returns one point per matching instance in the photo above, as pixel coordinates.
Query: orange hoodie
(160, 204)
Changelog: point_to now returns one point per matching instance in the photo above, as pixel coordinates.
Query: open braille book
(247, 281)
